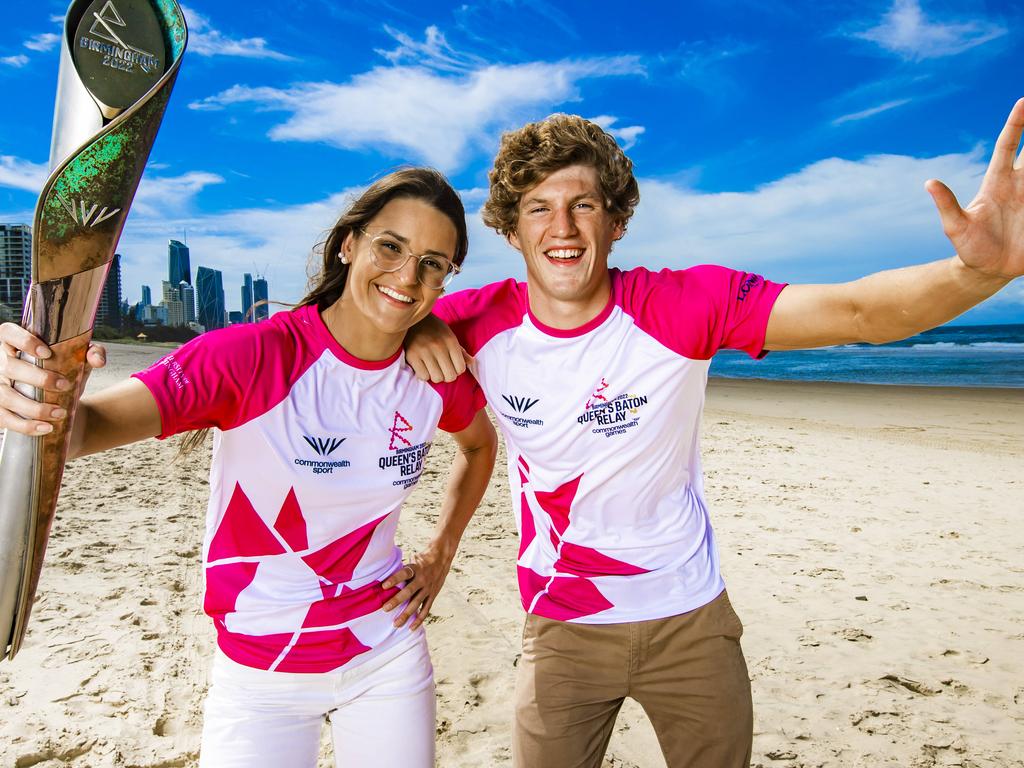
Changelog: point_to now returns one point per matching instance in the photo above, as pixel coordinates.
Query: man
(597, 378)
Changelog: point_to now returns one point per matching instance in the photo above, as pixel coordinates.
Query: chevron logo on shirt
(324, 446)
(520, 404)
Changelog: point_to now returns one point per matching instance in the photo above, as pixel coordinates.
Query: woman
(320, 434)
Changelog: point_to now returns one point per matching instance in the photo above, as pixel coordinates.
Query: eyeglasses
(389, 254)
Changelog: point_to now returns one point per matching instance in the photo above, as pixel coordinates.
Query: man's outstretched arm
(987, 235)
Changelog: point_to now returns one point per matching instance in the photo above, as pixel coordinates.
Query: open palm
(989, 233)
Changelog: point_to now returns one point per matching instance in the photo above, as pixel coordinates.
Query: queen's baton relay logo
(611, 414)
(403, 455)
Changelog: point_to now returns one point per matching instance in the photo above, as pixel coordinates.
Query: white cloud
(158, 196)
(204, 40)
(22, 174)
(45, 41)
(627, 134)
(18, 61)
(434, 52)
(907, 32)
(870, 112)
(415, 112)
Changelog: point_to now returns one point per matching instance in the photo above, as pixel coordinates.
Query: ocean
(950, 356)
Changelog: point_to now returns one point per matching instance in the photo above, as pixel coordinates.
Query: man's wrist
(985, 282)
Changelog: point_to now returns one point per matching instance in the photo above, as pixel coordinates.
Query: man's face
(565, 234)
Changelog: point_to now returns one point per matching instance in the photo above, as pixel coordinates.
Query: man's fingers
(1005, 153)
(17, 337)
(953, 218)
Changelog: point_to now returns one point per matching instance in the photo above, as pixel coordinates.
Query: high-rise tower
(210, 298)
(247, 298)
(260, 292)
(178, 266)
(15, 268)
(109, 312)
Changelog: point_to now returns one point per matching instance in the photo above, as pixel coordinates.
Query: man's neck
(571, 313)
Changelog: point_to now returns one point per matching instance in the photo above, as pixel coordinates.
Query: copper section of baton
(69, 359)
(83, 252)
(65, 308)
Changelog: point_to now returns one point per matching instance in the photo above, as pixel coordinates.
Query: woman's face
(392, 302)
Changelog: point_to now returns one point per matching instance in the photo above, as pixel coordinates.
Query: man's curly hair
(535, 151)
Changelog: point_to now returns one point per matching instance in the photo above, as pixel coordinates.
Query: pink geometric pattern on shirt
(338, 560)
(313, 648)
(558, 502)
(224, 583)
(530, 584)
(584, 561)
(563, 597)
(528, 529)
(349, 604)
(568, 598)
(313, 651)
(290, 523)
(242, 532)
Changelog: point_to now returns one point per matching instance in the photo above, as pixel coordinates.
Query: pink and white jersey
(314, 452)
(602, 428)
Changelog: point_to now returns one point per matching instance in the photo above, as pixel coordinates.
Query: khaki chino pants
(686, 671)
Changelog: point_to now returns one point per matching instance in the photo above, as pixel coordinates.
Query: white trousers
(381, 713)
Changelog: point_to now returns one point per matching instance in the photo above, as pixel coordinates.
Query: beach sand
(871, 539)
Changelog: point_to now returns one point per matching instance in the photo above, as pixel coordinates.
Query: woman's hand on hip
(423, 576)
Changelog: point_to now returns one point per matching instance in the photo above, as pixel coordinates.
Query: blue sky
(792, 139)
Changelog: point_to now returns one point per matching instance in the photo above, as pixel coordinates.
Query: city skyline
(787, 138)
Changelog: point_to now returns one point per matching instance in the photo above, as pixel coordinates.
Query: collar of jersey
(568, 333)
(317, 322)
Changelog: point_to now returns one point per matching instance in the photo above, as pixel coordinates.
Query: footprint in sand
(898, 681)
(854, 635)
(872, 721)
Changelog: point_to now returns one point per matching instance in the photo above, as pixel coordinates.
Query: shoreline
(828, 382)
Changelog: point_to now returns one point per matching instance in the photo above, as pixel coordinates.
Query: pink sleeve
(477, 315)
(205, 382)
(700, 310)
(460, 400)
